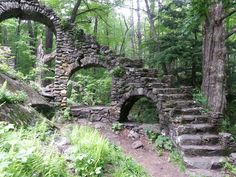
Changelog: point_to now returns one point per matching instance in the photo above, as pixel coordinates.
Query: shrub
(163, 143)
(116, 127)
(23, 155)
(151, 135)
(118, 71)
(199, 97)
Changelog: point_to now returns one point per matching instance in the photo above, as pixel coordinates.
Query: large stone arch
(28, 10)
(31, 10)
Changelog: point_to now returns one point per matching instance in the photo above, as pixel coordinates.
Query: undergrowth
(164, 143)
(31, 152)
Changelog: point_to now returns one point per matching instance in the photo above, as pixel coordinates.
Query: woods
(165, 62)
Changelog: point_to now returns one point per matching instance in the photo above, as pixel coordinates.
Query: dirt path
(154, 165)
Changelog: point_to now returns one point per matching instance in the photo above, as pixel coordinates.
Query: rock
(63, 93)
(62, 144)
(99, 125)
(232, 158)
(133, 134)
(137, 145)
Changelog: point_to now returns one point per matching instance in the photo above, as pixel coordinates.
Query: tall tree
(139, 30)
(49, 40)
(214, 52)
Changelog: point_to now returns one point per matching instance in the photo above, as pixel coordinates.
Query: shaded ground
(147, 157)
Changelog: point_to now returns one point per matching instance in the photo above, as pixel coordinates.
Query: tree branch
(228, 14)
(230, 33)
(75, 10)
(49, 57)
(97, 14)
(89, 10)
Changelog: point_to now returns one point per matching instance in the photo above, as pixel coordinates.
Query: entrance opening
(139, 109)
(90, 86)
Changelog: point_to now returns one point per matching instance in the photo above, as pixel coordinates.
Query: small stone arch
(129, 103)
(131, 98)
(89, 63)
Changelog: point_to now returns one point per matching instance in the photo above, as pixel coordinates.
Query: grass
(30, 152)
(176, 158)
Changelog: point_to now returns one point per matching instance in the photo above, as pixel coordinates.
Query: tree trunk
(95, 28)
(18, 30)
(32, 37)
(39, 64)
(214, 51)
(49, 40)
(139, 33)
(153, 32)
(194, 63)
(132, 30)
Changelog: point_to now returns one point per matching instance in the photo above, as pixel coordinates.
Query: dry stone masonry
(193, 131)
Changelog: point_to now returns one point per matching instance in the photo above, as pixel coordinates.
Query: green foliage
(118, 71)
(85, 165)
(199, 97)
(163, 143)
(128, 168)
(92, 154)
(144, 111)
(90, 87)
(152, 135)
(22, 154)
(176, 158)
(117, 127)
(9, 97)
(230, 168)
(27, 152)
(66, 114)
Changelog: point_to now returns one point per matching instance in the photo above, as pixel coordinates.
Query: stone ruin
(193, 131)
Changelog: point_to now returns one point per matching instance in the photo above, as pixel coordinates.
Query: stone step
(189, 111)
(205, 173)
(204, 162)
(202, 150)
(171, 90)
(180, 104)
(193, 119)
(194, 129)
(204, 139)
(168, 97)
(155, 85)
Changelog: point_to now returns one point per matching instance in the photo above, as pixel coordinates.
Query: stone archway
(130, 102)
(31, 10)
(89, 63)
(90, 85)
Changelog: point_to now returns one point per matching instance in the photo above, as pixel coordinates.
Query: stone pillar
(62, 69)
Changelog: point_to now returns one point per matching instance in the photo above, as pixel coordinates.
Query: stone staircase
(194, 135)
(190, 126)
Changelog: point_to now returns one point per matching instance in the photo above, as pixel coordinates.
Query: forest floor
(146, 156)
